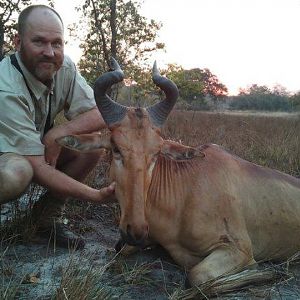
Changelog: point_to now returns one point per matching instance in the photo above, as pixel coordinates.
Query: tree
(115, 28)
(295, 101)
(212, 86)
(255, 89)
(197, 85)
(260, 97)
(8, 23)
(280, 90)
(189, 82)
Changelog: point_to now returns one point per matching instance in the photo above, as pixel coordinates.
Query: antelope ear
(180, 152)
(85, 142)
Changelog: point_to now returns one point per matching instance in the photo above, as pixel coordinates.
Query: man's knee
(15, 175)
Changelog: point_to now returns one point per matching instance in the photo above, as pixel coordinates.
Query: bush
(264, 102)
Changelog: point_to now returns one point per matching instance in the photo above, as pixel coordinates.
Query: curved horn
(159, 112)
(111, 111)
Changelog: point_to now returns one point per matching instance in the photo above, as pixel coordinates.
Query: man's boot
(47, 217)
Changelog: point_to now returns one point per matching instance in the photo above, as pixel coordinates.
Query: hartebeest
(212, 211)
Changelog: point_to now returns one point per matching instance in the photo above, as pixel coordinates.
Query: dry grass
(269, 141)
(19, 226)
(83, 281)
(253, 284)
(234, 284)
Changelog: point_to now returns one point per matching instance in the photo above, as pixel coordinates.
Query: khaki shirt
(22, 119)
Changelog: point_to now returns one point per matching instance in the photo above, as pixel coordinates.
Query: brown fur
(214, 212)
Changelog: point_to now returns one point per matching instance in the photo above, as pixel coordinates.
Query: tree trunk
(113, 17)
(101, 34)
(1, 42)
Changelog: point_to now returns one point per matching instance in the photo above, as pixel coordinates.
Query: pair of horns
(113, 112)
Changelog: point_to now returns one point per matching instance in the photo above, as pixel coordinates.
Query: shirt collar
(36, 86)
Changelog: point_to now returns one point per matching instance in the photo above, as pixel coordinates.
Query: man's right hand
(106, 194)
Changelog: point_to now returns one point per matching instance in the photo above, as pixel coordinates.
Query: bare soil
(37, 270)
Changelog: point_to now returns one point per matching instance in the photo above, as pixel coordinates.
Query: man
(35, 85)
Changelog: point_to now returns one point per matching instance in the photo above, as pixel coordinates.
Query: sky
(242, 42)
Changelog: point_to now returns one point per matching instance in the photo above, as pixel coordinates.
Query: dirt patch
(41, 271)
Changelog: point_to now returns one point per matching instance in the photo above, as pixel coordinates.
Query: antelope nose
(135, 237)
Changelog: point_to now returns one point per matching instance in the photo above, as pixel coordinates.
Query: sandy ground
(39, 269)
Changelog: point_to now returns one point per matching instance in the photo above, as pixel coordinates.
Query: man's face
(41, 46)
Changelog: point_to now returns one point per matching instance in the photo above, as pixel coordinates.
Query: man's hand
(51, 153)
(106, 194)
(52, 149)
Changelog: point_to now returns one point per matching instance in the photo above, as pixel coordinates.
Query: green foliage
(8, 11)
(262, 98)
(115, 28)
(197, 87)
(295, 101)
(189, 82)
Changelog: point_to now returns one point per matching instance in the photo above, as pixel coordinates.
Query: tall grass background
(270, 140)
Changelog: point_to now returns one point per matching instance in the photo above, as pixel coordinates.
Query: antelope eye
(114, 147)
(116, 150)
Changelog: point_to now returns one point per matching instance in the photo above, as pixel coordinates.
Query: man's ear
(85, 142)
(180, 152)
(17, 42)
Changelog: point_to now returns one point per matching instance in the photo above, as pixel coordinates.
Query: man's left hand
(52, 149)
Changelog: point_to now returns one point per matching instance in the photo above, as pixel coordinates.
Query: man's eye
(57, 45)
(38, 43)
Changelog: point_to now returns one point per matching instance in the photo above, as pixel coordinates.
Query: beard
(41, 67)
(44, 71)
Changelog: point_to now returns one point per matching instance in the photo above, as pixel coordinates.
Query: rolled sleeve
(18, 133)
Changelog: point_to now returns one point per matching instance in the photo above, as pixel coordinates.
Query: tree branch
(113, 17)
(98, 23)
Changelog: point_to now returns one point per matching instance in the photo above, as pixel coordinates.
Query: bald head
(32, 12)
(40, 41)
